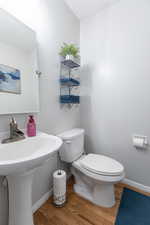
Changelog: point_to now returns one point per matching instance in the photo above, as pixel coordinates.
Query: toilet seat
(102, 165)
(99, 177)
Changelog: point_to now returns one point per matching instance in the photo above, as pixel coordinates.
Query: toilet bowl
(97, 186)
(95, 175)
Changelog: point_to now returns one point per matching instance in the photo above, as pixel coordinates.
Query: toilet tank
(73, 145)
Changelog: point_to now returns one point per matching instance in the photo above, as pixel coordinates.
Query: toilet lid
(102, 165)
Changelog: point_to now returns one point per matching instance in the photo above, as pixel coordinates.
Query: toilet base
(102, 195)
(99, 193)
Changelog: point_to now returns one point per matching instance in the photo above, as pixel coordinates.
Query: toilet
(95, 175)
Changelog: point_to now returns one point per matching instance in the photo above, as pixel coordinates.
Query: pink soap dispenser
(31, 127)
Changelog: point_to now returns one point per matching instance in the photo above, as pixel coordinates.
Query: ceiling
(85, 8)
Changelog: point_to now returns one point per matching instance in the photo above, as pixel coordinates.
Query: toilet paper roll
(59, 187)
(139, 142)
(59, 182)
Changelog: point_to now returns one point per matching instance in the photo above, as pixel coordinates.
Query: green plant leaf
(69, 49)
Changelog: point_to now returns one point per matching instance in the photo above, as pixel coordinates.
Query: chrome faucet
(15, 133)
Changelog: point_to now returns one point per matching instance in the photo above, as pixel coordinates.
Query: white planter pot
(69, 57)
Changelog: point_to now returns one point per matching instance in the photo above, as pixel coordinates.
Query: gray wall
(115, 53)
(54, 23)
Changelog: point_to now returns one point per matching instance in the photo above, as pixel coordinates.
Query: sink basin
(21, 156)
(18, 162)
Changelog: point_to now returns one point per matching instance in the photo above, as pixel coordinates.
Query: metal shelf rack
(68, 82)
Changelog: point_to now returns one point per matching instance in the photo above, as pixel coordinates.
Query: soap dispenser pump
(31, 127)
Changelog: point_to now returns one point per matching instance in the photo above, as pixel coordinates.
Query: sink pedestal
(20, 198)
(18, 161)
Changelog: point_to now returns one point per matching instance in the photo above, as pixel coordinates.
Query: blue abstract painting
(10, 79)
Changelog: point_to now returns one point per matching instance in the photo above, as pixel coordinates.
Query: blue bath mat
(134, 209)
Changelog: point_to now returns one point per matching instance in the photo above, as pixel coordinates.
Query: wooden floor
(78, 211)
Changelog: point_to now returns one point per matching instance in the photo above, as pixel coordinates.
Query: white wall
(54, 24)
(115, 53)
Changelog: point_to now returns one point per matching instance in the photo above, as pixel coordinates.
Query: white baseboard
(136, 185)
(41, 201)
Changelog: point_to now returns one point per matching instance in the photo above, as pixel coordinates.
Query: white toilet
(95, 175)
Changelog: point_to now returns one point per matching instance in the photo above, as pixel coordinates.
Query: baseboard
(136, 185)
(41, 201)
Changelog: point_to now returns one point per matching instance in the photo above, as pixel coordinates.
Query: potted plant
(69, 51)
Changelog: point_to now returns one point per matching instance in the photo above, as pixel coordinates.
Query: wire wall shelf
(69, 83)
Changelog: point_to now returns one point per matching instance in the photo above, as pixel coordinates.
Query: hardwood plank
(79, 211)
(40, 219)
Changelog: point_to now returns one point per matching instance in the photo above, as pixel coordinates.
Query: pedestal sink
(18, 161)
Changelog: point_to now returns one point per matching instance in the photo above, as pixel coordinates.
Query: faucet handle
(13, 124)
(13, 120)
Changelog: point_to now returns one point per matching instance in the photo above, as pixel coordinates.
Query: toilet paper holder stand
(140, 137)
